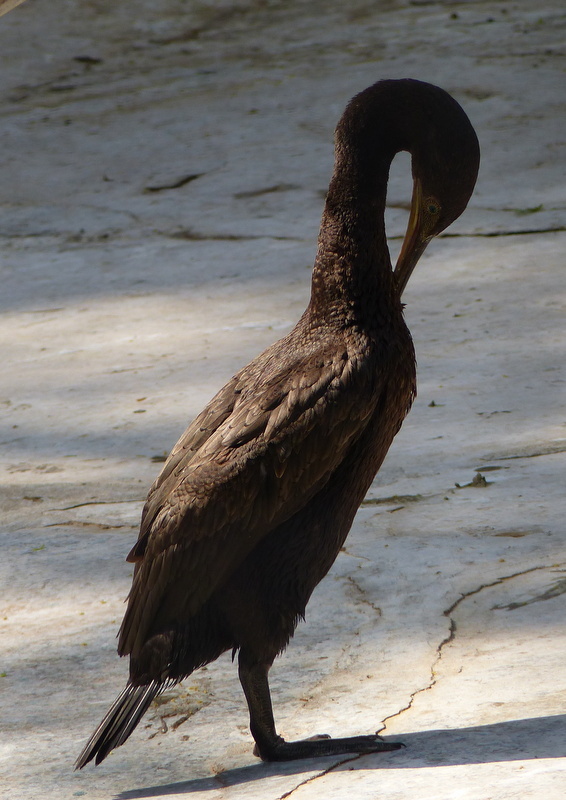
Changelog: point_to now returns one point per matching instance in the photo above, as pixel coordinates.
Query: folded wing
(258, 452)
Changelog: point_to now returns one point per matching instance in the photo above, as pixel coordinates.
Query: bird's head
(445, 163)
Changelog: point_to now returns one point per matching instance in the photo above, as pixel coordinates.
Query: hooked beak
(414, 242)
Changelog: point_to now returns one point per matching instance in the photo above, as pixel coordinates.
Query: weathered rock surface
(162, 169)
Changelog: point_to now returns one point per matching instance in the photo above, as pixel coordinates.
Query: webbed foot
(323, 745)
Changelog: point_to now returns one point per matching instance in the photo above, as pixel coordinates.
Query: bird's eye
(433, 208)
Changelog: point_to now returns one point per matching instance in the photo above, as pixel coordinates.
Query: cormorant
(259, 493)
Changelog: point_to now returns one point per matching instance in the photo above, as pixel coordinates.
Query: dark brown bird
(258, 495)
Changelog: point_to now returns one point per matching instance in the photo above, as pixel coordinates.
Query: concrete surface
(162, 168)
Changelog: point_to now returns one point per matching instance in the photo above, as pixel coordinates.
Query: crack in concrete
(174, 184)
(187, 234)
(447, 639)
(345, 551)
(493, 234)
(320, 774)
(483, 586)
(554, 591)
(362, 596)
(452, 635)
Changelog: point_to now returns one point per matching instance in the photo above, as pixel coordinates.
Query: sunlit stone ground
(162, 172)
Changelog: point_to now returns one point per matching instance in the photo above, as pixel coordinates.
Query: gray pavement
(162, 172)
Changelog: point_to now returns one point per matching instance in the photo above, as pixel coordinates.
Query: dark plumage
(258, 496)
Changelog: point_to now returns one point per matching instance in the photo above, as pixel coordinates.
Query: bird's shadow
(516, 740)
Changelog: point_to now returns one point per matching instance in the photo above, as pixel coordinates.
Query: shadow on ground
(516, 740)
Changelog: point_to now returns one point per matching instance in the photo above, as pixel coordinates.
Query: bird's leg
(272, 747)
(253, 677)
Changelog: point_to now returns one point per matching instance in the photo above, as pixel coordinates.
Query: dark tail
(119, 722)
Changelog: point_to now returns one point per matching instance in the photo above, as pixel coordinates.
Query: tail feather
(121, 719)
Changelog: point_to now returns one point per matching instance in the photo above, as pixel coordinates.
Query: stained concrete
(162, 173)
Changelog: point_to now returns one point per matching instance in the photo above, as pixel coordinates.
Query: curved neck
(353, 282)
(352, 277)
